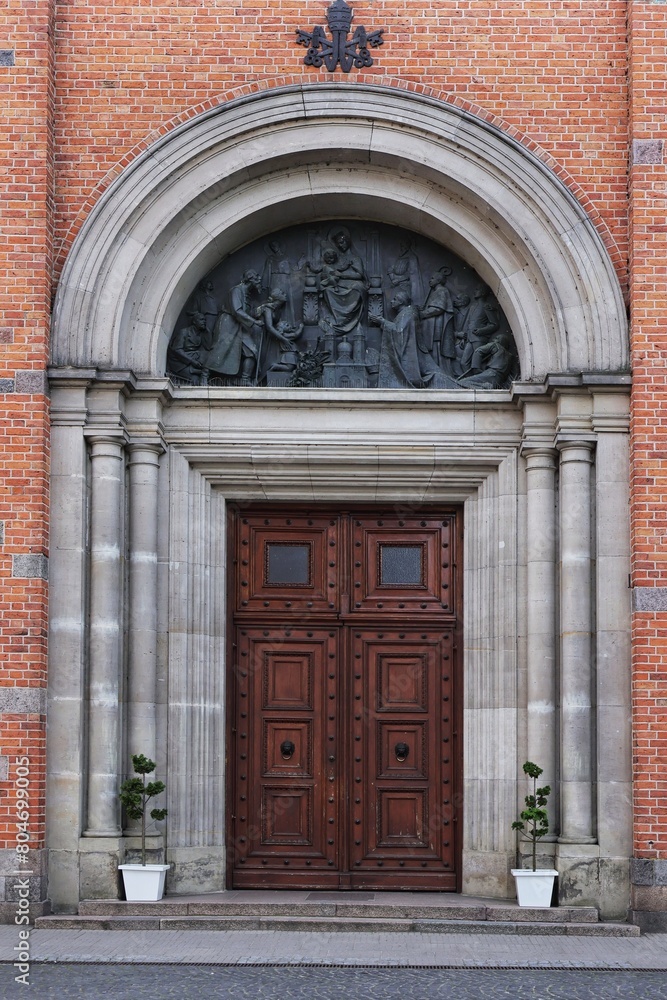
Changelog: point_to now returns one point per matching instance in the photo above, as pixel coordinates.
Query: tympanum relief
(343, 305)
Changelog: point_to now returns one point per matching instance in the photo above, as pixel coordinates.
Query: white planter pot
(143, 883)
(534, 888)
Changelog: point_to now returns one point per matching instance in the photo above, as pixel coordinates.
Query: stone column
(541, 648)
(105, 635)
(611, 421)
(67, 638)
(142, 681)
(577, 723)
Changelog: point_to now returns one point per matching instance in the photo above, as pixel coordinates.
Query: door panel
(285, 738)
(287, 565)
(402, 565)
(402, 730)
(344, 748)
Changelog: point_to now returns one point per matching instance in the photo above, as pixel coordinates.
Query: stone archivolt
(247, 169)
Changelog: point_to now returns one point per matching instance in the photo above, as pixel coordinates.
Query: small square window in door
(401, 565)
(288, 564)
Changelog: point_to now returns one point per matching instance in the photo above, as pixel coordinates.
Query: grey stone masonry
(649, 599)
(6, 57)
(31, 382)
(647, 151)
(23, 701)
(30, 566)
(14, 878)
(649, 871)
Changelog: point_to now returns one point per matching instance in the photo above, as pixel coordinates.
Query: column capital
(145, 452)
(539, 455)
(69, 406)
(106, 445)
(578, 449)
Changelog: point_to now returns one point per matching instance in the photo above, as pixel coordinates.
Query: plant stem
(143, 826)
(534, 828)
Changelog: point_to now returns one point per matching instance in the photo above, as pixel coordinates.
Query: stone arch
(294, 154)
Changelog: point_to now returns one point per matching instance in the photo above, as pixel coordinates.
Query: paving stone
(66, 982)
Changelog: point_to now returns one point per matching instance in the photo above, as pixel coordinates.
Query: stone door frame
(136, 635)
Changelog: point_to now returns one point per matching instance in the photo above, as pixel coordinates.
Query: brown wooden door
(344, 687)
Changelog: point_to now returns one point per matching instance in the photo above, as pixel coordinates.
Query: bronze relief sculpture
(343, 305)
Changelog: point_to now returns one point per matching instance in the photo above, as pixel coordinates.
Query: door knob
(287, 748)
(401, 750)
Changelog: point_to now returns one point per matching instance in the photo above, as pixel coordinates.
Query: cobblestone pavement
(340, 948)
(153, 982)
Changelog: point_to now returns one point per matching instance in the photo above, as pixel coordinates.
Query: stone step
(342, 910)
(335, 923)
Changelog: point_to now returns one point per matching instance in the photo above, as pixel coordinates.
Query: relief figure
(437, 327)
(279, 334)
(343, 293)
(482, 321)
(405, 273)
(204, 302)
(493, 362)
(399, 366)
(237, 338)
(277, 273)
(184, 354)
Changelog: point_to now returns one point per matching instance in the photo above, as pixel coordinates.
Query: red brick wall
(552, 72)
(648, 283)
(26, 157)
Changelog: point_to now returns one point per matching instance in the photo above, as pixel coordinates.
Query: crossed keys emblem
(339, 50)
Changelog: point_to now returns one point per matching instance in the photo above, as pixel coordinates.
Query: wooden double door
(345, 699)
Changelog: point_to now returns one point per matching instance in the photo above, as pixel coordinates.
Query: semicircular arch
(293, 155)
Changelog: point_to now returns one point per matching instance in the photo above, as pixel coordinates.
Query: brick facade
(87, 88)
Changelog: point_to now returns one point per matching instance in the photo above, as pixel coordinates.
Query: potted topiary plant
(534, 886)
(142, 882)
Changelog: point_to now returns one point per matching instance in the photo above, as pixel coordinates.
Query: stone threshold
(336, 911)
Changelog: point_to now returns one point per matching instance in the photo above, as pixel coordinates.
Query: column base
(587, 879)
(196, 869)
(488, 873)
(99, 858)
